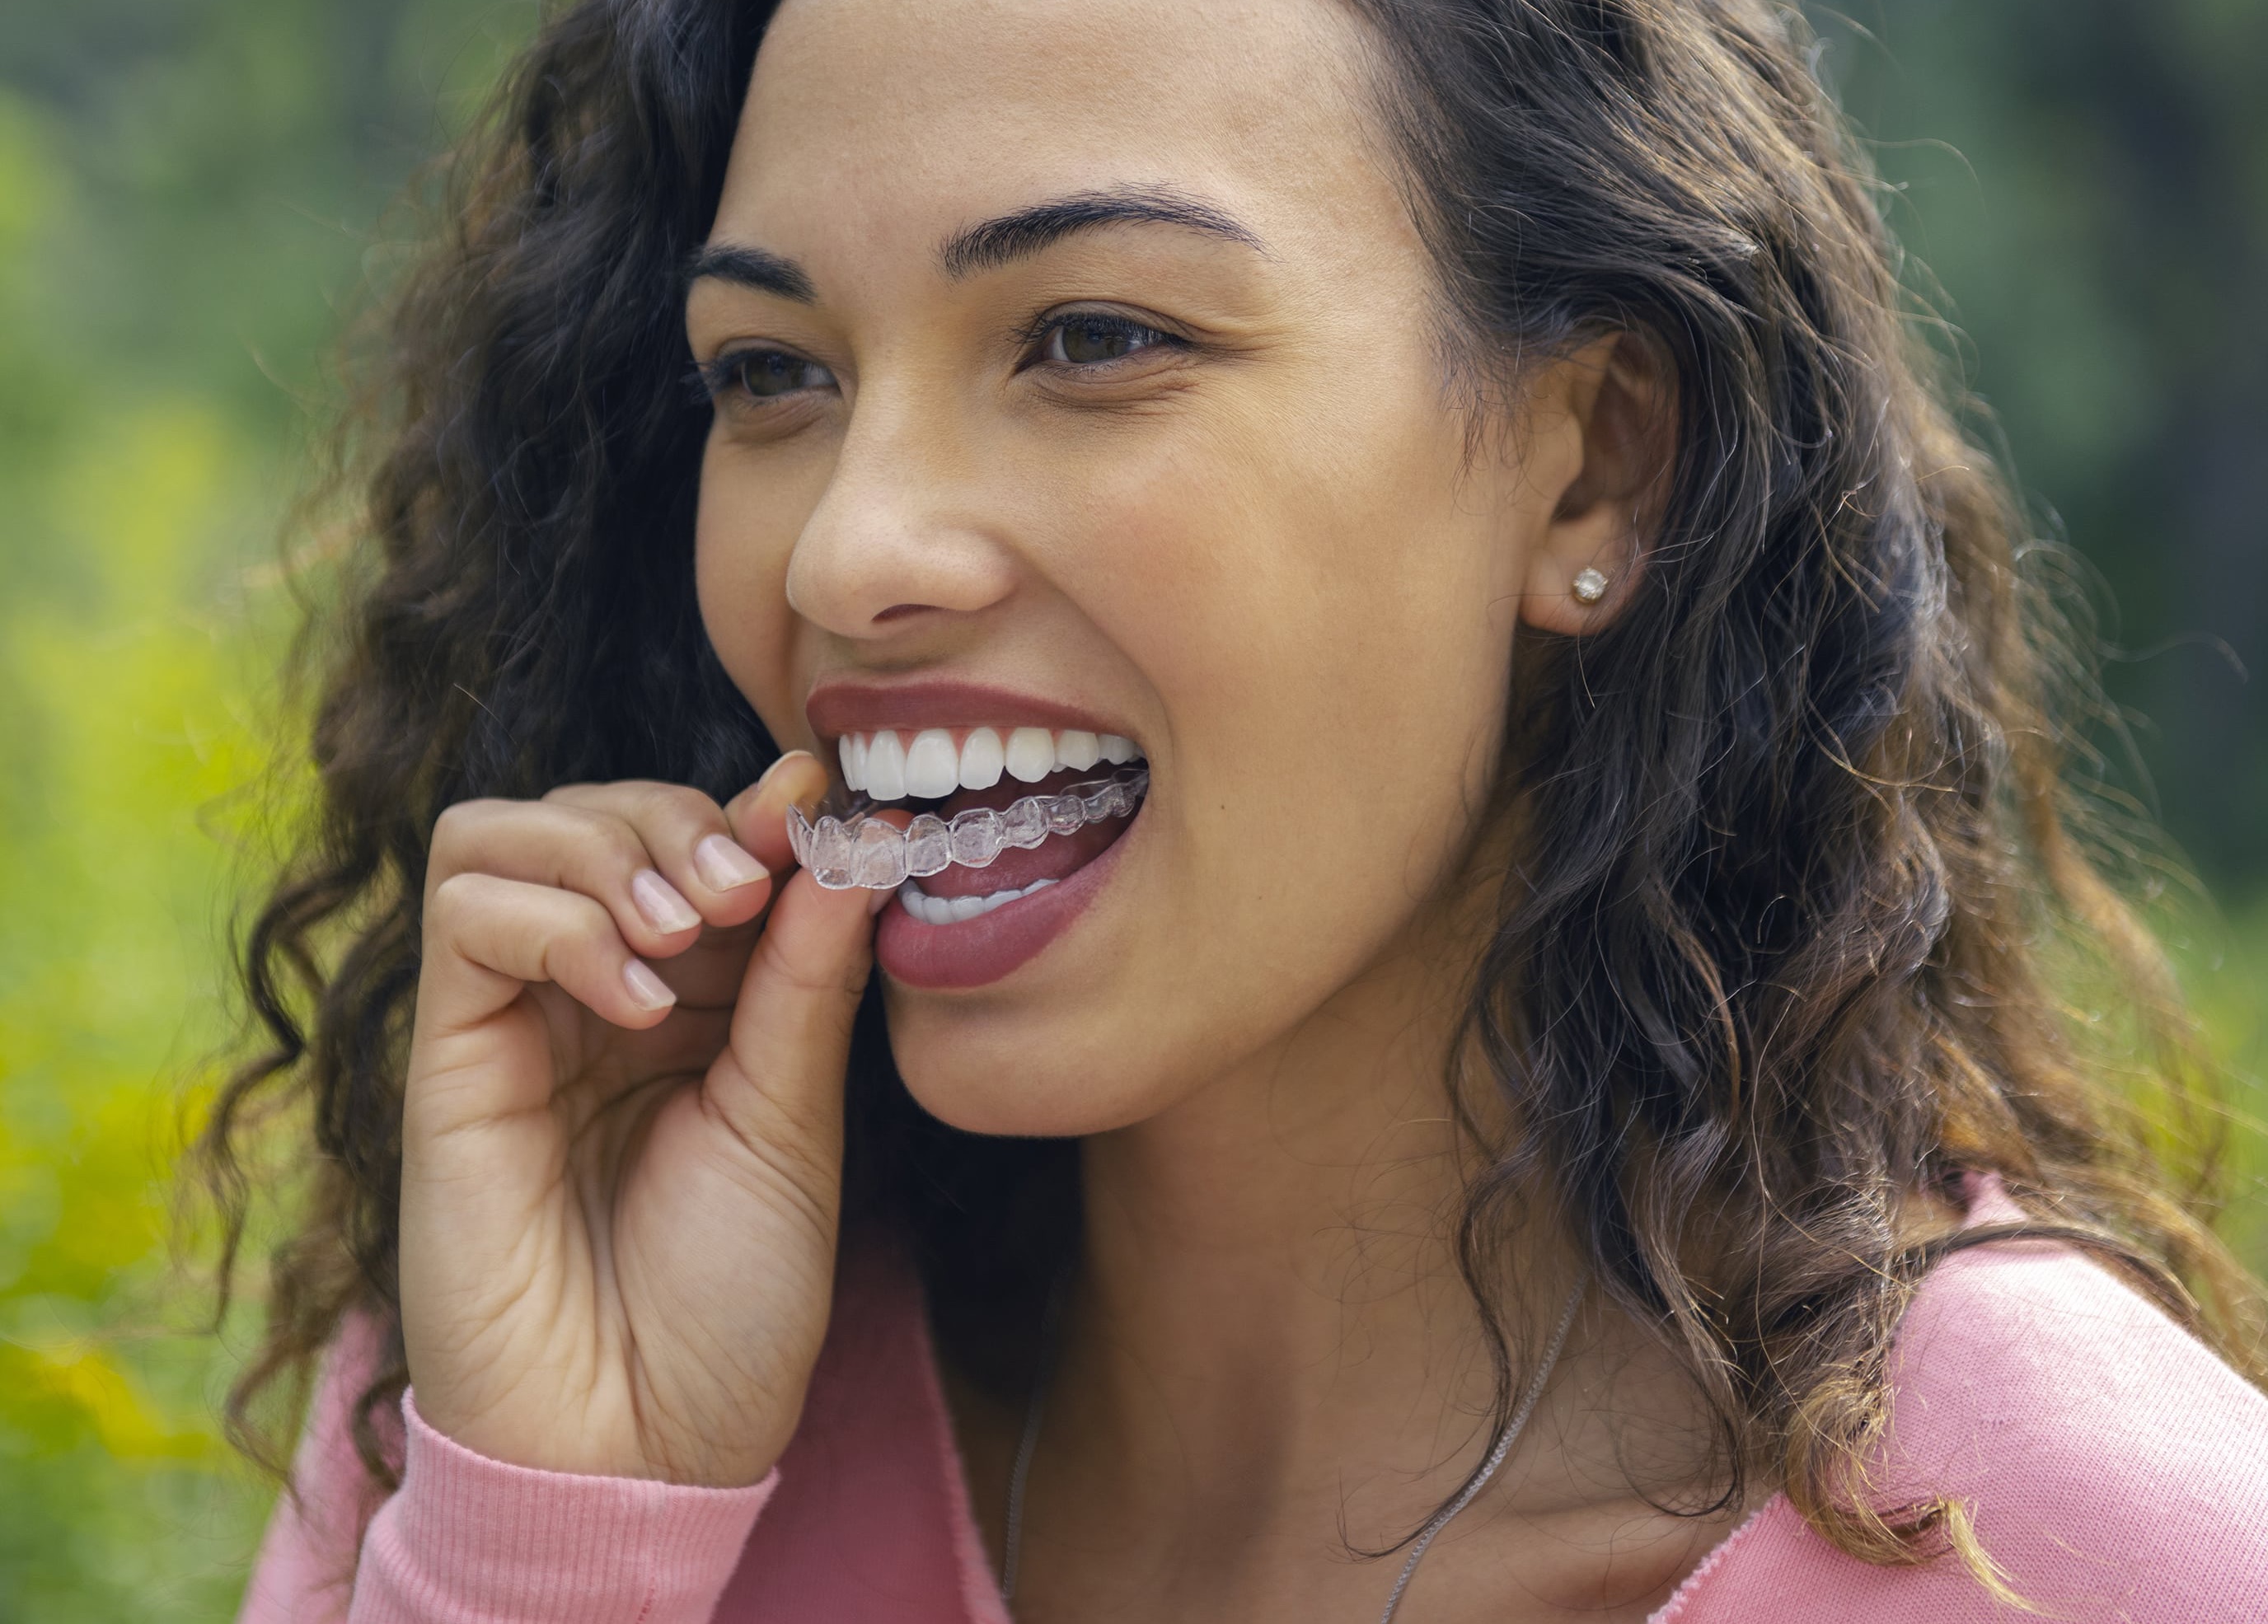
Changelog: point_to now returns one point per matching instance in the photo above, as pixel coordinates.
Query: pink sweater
(2118, 1471)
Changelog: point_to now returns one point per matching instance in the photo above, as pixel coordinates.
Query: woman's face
(1077, 370)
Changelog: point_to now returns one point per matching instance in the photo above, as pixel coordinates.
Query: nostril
(899, 611)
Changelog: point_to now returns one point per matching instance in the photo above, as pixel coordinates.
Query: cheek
(742, 543)
(1327, 624)
(1315, 615)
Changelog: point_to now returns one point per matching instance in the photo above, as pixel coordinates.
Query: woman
(1513, 1074)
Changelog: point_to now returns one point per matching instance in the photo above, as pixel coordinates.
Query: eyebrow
(1028, 232)
(759, 269)
(994, 243)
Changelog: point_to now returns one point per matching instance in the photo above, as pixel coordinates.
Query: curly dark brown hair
(1805, 897)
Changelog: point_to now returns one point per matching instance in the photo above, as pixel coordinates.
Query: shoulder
(2116, 1468)
(2025, 1369)
(2031, 1379)
(307, 1558)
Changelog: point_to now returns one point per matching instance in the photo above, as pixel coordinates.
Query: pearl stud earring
(1589, 586)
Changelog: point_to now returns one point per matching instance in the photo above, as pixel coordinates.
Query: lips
(963, 747)
(842, 705)
(976, 953)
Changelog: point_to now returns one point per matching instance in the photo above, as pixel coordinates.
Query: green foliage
(2227, 973)
(123, 712)
(2088, 180)
(172, 271)
(187, 188)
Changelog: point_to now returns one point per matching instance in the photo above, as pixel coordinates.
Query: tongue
(1015, 868)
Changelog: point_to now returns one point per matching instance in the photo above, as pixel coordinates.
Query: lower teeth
(859, 849)
(953, 910)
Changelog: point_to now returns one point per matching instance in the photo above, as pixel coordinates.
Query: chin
(990, 1072)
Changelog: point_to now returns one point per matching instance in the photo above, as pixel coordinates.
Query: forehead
(898, 121)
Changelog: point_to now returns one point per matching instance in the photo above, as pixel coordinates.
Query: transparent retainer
(859, 849)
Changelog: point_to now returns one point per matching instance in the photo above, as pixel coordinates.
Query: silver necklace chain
(1013, 1540)
(1011, 1544)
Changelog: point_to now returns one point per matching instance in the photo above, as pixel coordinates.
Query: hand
(623, 1136)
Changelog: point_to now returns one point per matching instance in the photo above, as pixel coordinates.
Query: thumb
(758, 815)
(782, 1067)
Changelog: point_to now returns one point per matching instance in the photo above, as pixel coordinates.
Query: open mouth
(994, 839)
(996, 815)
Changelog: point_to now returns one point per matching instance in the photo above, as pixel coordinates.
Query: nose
(901, 532)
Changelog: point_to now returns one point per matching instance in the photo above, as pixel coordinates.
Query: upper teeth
(930, 765)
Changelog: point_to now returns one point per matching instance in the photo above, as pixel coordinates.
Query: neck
(1268, 1287)
(1270, 1355)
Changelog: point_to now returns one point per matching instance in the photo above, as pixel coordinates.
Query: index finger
(758, 815)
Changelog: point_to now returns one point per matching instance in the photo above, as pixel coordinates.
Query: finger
(690, 841)
(791, 1038)
(595, 853)
(758, 815)
(486, 937)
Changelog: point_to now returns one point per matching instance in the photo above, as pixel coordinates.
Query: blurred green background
(191, 198)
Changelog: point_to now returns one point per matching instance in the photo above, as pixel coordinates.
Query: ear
(1616, 399)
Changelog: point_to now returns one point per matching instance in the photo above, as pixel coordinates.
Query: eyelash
(714, 380)
(1047, 326)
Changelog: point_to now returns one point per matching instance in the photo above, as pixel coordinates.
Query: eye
(1092, 339)
(764, 375)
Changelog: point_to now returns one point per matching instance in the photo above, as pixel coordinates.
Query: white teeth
(1077, 750)
(932, 764)
(1031, 755)
(886, 767)
(953, 910)
(981, 759)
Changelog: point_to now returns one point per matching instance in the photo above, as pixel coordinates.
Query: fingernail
(664, 908)
(816, 791)
(724, 866)
(648, 990)
(880, 900)
(778, 762)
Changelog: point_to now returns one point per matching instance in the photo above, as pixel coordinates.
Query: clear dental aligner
(859, 849)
